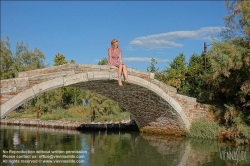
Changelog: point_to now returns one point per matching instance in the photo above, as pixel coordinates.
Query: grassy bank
(73, 114)
(207, 128)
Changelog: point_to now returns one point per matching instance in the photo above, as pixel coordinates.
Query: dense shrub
(204, 129)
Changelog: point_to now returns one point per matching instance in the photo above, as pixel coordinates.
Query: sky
(83, 30)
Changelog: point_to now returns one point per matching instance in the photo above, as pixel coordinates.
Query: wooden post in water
(37, 112)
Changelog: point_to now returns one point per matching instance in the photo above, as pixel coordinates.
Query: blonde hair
(113, 41)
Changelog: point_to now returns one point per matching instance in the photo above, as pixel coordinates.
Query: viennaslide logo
(233, 155)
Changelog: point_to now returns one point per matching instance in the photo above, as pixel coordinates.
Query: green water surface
(56, 147)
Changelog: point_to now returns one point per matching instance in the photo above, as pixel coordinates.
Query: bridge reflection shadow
(133, 149)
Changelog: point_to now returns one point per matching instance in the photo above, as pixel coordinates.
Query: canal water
(27, 146)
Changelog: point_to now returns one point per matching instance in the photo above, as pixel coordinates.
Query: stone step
(3, 100)
(48, 76)
(6, 96)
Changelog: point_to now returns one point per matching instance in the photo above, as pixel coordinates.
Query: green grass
(204, 129)
(211, 130)
(73, 114)
(22, 114)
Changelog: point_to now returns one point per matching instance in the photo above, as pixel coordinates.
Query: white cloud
(129, 47)
(163, 53)
(169, 39)
(143, 59)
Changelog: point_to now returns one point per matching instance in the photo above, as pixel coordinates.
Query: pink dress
(115, 57)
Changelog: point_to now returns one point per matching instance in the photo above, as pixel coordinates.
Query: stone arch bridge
(155, 106)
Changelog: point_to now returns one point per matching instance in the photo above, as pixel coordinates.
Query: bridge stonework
(155, 106)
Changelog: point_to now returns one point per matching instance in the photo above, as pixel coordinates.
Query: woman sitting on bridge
(115, 59)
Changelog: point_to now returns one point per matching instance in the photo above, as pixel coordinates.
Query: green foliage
(152, 67)
(72, 96)
(237, 121)
(245, 130)
(48, 100)
(238, 20)
(194, 77)
(26, 59)
(7, 62)
(57, 115)
(195, 65)
(186, 77)
(72, 61)
(230, 76)
(204, 129)
(175, 75)
(22, 59)
(104, 61)
(102, 104)
(58, 98)
(59, 59)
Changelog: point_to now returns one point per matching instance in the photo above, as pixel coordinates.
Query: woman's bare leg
(125, 72)
(119, 75)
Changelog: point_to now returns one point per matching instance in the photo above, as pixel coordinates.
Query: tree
(7, 62)
(152, 67)
(104, 61)
(72, 61)
(194, 77)
(229, 75)
(176, 74)
(230, 60)
(22, 59)
(26, 59)
(237, 21)
(72, 95)
(102, 104)
(59, 59)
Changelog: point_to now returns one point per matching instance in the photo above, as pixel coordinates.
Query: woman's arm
(109, 57)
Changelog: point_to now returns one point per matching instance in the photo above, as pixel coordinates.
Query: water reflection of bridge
(148, 150)
(179, 149)
(114, 148)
